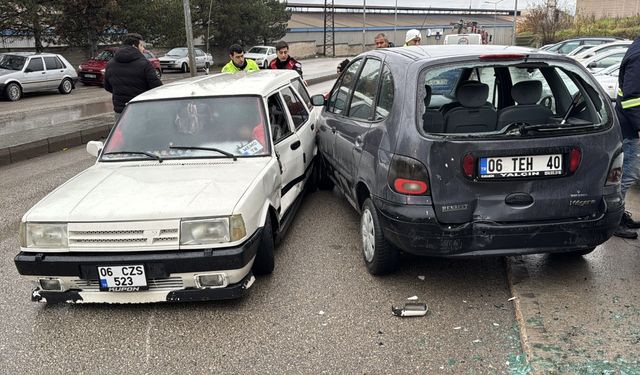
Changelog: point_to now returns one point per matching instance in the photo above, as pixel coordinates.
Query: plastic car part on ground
(410, 309)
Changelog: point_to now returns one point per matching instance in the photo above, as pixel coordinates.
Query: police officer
(283, 60)
(237, 62)
(628, 112)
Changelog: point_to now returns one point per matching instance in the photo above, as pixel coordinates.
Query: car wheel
(185, 68)
(379, 256)
(13, 92)
(159, 73)
(65, 86)
(265, 64)
(264, 262)
(207, 66)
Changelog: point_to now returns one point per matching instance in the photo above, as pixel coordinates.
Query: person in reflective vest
(283, 60)
(237, 62)
(628, 113)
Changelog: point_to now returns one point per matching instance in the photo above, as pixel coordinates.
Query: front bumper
(415, 229)
(171, 275)
(95, 78)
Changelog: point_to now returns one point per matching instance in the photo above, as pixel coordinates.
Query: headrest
(427, 96)
(526, 92)
(472, 94)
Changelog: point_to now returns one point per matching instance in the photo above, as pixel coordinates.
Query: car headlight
(212, 231)
(33, 235)
(80, 67)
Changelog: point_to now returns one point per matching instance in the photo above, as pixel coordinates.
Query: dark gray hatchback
(472, 150)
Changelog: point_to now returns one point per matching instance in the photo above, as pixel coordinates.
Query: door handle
(358, 144)
(333, 129)
(295, 145)
(44, 73)
(313, 126)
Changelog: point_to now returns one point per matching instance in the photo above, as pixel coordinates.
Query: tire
(159, 73)
(207, 66)
(13, 92)
(379, 256)
(65, 86)
(265, 65)
(184, 68)
(264, 262)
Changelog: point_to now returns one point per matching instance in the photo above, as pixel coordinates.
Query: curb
(31, 143)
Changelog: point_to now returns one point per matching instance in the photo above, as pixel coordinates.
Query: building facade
(602, 9)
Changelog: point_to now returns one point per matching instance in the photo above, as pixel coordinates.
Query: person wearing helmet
(413, 38)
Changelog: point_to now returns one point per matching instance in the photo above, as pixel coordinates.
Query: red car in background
(91, 72)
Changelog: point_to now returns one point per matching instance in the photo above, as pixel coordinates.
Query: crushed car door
(288, 150)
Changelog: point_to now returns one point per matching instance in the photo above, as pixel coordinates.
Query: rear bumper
(98, 78)
(415, 229)
(171, 275)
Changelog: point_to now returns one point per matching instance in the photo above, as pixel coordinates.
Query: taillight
(468, 165)
(408, 176)
(615, 171)
(574, 159)
(503, 56)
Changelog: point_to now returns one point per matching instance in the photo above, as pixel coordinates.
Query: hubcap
(66, 86)
(14, 92)
(368, 233)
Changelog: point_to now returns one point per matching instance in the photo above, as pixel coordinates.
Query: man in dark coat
(628, 112)
(283, 60)
(129, 74)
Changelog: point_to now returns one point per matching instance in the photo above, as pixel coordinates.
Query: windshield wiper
(225, 153)
(153, 156)
(523, 129)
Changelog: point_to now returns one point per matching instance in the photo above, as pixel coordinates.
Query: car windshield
(211, 127)
(179, 52)
(12, 62)
(509, 99)
(104, 56)
(258, 50)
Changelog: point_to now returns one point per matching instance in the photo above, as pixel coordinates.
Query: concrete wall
(601, 9)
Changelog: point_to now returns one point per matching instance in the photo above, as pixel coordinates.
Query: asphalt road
(321, 312)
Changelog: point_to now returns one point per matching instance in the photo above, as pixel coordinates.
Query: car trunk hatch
(523, 180)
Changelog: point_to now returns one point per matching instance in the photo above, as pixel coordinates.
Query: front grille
(126, 235)
(170, 283)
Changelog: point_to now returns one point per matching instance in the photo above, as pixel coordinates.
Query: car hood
(128, 191)
(4, 72)
(94, 64)
(254, 56)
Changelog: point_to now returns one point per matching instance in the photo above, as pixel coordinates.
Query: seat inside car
(473, 115)
(527, 110)
(432, 120)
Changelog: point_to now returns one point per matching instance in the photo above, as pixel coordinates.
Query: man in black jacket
(129, 74)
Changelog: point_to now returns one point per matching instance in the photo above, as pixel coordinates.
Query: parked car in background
(262, 55)
(190, 193)
(608, 79)
(463, 39)
(580, 49)
(602, 48)
(547, 46)
(23, 72)
(604, 60)
(178, 59)
(91, 72)
(569, 45)
(521, 154)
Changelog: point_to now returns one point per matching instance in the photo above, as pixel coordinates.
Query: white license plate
(89, 76)
(122, 278)
(521, 166)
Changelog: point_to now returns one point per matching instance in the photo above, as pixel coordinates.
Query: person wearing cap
(413, 38)
(237, 62)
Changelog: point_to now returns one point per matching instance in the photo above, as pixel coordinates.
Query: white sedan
(262, 55)
(187, 198)
(178, 59)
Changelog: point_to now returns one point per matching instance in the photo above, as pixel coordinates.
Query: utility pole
(515, 15)
(364, 18)
(189, 31)
(495, 17)
(395, 25)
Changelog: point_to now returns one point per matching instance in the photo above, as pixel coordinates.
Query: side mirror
(317, 100)
(94, 148)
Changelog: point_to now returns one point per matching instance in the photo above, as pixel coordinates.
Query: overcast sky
(504, 4)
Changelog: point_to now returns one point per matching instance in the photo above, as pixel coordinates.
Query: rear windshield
(190, 128)
(519, 98)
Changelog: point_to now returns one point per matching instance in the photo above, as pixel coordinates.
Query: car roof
(26, 54)
(603, 55)
(259, 83)
(429, 52)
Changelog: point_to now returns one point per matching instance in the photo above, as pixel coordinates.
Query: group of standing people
(283, 60)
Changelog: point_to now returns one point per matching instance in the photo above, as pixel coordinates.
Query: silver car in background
(22, 72)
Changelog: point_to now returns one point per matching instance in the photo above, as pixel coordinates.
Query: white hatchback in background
(604, 60)
(178, 59)
(189, 194)
(608, 79)
(602, 48)
(262, 55)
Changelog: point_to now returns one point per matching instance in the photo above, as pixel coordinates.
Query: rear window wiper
(225, 153)
(153, 156)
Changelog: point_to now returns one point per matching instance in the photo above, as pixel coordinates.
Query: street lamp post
(515, 14)
(495, 16)
(395, 24)
(364, 12)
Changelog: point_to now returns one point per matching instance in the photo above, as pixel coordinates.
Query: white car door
(55, 71)
(34, 75)
(288, 150)
(303, 116)
(200, 58)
